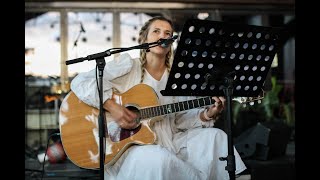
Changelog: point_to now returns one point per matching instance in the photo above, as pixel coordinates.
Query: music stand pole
(228, 91)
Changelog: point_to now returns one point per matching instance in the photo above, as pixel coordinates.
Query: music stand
(223, 59)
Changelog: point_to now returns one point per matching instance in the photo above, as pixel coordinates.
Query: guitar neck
(175, 107)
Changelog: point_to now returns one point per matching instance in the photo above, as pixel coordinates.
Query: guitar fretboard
(175, 107)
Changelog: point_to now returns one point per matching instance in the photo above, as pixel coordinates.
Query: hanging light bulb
(84, 39)
(203, 16)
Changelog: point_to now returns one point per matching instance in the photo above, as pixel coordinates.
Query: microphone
(81, 27)
(167, 42)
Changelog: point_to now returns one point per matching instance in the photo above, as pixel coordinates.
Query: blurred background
(58, 31)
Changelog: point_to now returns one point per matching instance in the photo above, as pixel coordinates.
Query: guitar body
(78, 123)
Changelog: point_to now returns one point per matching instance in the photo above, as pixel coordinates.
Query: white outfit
(186, 149)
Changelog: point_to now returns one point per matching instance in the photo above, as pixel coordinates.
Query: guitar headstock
(250, 100)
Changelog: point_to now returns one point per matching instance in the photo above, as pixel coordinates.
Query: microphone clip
(167, 42)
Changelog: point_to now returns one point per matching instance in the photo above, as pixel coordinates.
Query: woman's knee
(213, 133)
(150, 154)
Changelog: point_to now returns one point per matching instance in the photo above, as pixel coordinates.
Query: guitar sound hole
(134, 109)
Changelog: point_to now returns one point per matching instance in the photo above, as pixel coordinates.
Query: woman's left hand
(217, 108)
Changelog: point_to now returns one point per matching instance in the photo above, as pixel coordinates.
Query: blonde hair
(143, 34)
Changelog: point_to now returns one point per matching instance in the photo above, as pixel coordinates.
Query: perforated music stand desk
(211, 53)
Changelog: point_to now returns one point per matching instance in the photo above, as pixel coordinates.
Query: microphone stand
(99, 57)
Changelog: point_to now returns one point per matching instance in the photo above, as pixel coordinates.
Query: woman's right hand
(123, 116)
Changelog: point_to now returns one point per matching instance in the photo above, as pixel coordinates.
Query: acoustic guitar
(78, 123)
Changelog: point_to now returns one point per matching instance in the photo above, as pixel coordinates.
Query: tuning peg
(251, 103)
(259, 101)
(244, 105)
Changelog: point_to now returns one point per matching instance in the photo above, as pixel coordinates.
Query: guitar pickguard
(116, 133)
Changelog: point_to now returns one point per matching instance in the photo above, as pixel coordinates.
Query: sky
(43, 32)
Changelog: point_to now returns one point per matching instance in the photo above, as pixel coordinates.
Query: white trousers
(198, 161)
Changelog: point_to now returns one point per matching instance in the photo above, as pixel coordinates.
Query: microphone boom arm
(109, 52)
